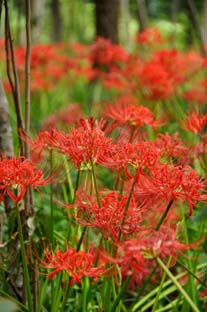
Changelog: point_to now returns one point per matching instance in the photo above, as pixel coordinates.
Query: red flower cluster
(196, 123)
(113, 217)
(167, 182)
(76, 264)
(123, 112)
(150, 36)
(105, 55)
(172, 147)
(86, 142)
(64, 118)
(16, 174)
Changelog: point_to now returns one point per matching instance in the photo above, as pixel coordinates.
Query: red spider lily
(115, 80)
(65, 117)
(169, 182)
(131, 263)
(200, 149)
(86, 142)
(140, 156)
(196, 123)
(45, 140)
(172, 146)
(124, 113)
(174, 63)
(151, 244)
(197, 93)
(194, 62)
(150, 36)
(110, 215)
(155, 82)
(18, 174)
(104, 54)
(76, 264)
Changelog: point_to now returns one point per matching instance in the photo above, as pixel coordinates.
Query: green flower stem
(85, 290)
(66, 291)
(24, 262)
(126, 208)
(41, 296)
(95, 183)
(191, 281)
(160, 287)
(56, 293)
(22, 306)
(145, 302)
(51, 202)
(178, 285)
(164, 215)
(81, 238)
(76, 185)
(122, 291)
(69, 180)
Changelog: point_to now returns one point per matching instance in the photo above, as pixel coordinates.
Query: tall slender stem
(127, 207)
(14, 81)
(164, 215)
(120, 294)
(51, 201)
(177, 284)
(24, 261)
(95, 183)
(27, 73)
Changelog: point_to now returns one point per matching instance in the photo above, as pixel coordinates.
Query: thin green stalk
(126, 208)
(66, 290)
(81, 238)
(41, 295)
(56, 294)
(76, 185)
(68, 175)
(191, 282)
(164, 215)
(85, 289)
(204, 284)
(152, 293)
(24, 262)
(51, 202)
(22, 306)
(95, 183)
(178, 285)
(160, 288)
(122, 291)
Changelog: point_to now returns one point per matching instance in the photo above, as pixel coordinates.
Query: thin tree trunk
(56, 21)
(125, 17)
(1, 5)
(142, 15)
(175, 8)
(37, 19)
(107, 17)
(204, 23)
(6, 143)
(193, 15)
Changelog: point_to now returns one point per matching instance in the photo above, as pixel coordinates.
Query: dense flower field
(118, 221)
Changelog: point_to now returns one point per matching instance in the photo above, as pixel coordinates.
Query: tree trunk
(142, 15)
(37, 19)
(56, 21)
(204, 23)
(107, 18)
(1, 5)
(125, 17)
(193, 16)
(6, 144)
